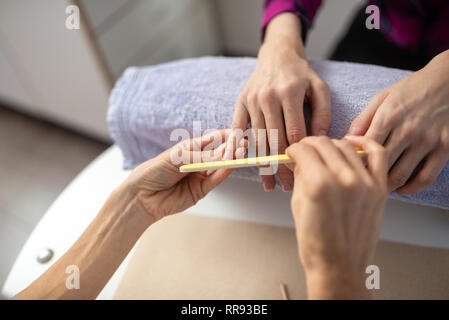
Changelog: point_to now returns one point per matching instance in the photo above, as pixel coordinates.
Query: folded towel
(148, 103)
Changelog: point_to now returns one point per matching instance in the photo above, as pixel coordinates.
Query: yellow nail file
(241, 163)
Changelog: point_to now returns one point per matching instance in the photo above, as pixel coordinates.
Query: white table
(236, 199)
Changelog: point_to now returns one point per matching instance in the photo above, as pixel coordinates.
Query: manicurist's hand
(411, 119)
(337, 205)
(274, 95)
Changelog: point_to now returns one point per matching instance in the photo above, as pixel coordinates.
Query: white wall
(240, 21)
(59, 77)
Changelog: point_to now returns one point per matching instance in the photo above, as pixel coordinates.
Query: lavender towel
(148, 103)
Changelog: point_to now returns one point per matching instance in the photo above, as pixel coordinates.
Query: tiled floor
(37, 160)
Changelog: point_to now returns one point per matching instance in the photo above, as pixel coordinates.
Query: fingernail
(240, 153)
(286, 186)
(322, 133)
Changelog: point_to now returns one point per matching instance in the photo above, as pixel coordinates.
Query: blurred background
(55, 82)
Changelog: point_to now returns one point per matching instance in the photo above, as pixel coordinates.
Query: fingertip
(268, 183)
(357, 141)
(322, 132)
(268, 186)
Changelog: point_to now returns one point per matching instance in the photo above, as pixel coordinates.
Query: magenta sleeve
(305, 9)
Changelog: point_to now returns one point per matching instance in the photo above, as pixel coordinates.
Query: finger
(239, 124)
(257, 124)
(331, 156)
(216, 154)
(354, 159)
(407, 163)
(433, 166)
(398, 142)
(294, 118)
(189, 151)
(382, 124)
(208, 141)
(239, 154)
(308, 163)
(321, 107)
(377, 162)
(278, 142)
(361, 124)
(293, 110)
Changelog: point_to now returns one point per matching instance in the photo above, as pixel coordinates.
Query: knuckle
(251, 99)
(309, 140)
(398, 179)
(301, 147)
(322, 139)
(240, 102)
(444, 141)
(288, 89)
(242, 96)
(266, 95)
(313, 140)
(378, 98)
(429, 139)
(324, 116)
(410, 130)
(426, 179)
(388, 121)
(323, 86)
(349, 181)
(380, 150)
(376, 191)
(346, 144)
(294, 134)
(320, 188)
(392, 114)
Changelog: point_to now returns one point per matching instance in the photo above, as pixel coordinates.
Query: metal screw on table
(45, 255)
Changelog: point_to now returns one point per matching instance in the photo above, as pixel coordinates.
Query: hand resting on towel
(411, 119)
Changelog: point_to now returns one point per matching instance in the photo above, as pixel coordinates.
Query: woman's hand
(411, 119)
(162, 190)
(274, 94)
(153, 190)
(337, 205)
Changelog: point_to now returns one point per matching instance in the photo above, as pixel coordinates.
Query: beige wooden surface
(193, 257)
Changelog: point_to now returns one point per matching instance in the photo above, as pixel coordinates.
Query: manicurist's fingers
(330, 154)
(355, 160)
(377, 162)
(308, 163)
